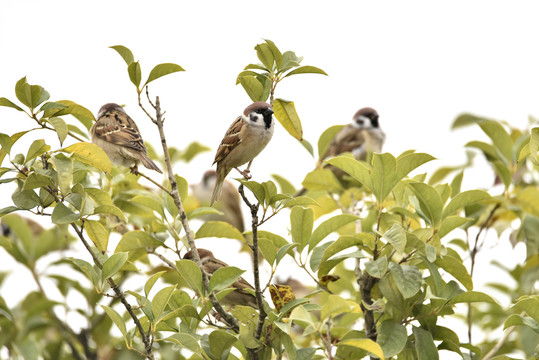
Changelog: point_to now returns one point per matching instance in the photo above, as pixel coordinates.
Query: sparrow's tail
(149, 164)
(219, 181)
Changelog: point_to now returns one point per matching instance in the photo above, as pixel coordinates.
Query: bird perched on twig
(240, 296)
(118, 135)
(230, 200)
(243, 141)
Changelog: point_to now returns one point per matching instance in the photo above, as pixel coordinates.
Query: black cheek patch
(253, 117)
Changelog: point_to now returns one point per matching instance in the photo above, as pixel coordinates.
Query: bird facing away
(118, 135)
(229, 205)
(240, 296)
(361, 136)
(243, 141)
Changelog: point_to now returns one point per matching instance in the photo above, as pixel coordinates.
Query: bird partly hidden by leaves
(241, 295)
(118, 135)
(243, 141)
(361, 137)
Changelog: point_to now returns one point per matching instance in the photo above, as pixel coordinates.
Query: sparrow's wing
(231, 140)
(212, 264)
(118, 128)
(346, 140)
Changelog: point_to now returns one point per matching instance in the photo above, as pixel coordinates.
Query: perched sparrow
(360, 137)
(237, 297)
(244, 140)
(230, 204)
(118, 135)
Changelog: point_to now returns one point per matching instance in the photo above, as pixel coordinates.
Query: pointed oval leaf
(191, 273)
(63, 215)
(326, 138)
(134, 71)
(162, 70)
(456, 268)
(407, 278)
(37, 148)
(277, 55)
(407, 162)
(377, 268)
(472, 296)
(117, 320)
(464, 199)
(392, 337)
(113, 265)
(365, 344)
(81, 113)
(306, 70)
(64, 168)
(221, 343)
(424, 345)
(500, 138)
(8, 103)
(98, 234)
(396, 237)
(285, 113)
(160, 301)
(360, 171)
(151, 282)
(301, 222)
(327, 227)
(430, 202)
(224, 277)
(530, 305)
(125, 53)
(218, 229)
(61, 128)
(253, 87)
(134, 240)
(91, 154)
(265, 55)
(321, 179)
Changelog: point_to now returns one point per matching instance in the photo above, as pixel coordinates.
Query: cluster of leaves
(382, 247)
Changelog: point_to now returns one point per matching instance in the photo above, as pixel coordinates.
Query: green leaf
(466, 119)
(396, 237)
(220, 343)
(326, 138)
(534, 145)
(472, 296)
(515, 320)
(90, 154)
(125, 53)
(334, 306)
(408, 162)
(35, 180)
(307, 145)
(112, 210)
(286, 186)
(392, 337)
(52, 105)
(64, 168)
(360, 171)
(384, 175)
(113, 265)
(365, 344)
(87, 269)
(253, 88)
(61, 128)
(192, 150)
(151, 281)
(81, 113)
(450, 223)
(98, 234)
(456, 268)
(285, 113)
(133, 69)
(9, 103)
(301, 221)
(407, 278)
(345, 242)
(218, 229)
(187, 341)
(191, 273)
(162, 70)
(306, 70)
(30, 95)
(327, 227)
(26, 199)
(265, 55)
(321, 179)
(37, 148)
(134, 240)
(117, 320)
(224, 277)
(430, 203)
(160, 301)
(500, 138)
(424, 345)
(377, 268)
(63, 215)
(530, 305)
(276, 53)
(464, 199)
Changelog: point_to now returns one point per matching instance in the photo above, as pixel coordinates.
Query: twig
(500, 342)
(154, 182)
(256, 273)
(174, 193)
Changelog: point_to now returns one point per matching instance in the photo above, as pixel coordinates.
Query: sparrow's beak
(268, 111)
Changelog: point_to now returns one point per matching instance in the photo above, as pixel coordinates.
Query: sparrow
(118, 135)
(230, 205)
(243, 141)
(361, 136)
(240, 296)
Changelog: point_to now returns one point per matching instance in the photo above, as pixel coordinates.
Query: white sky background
(419, 63)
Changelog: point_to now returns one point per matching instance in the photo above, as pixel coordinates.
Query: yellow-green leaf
(91, 154)
(285, 112)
